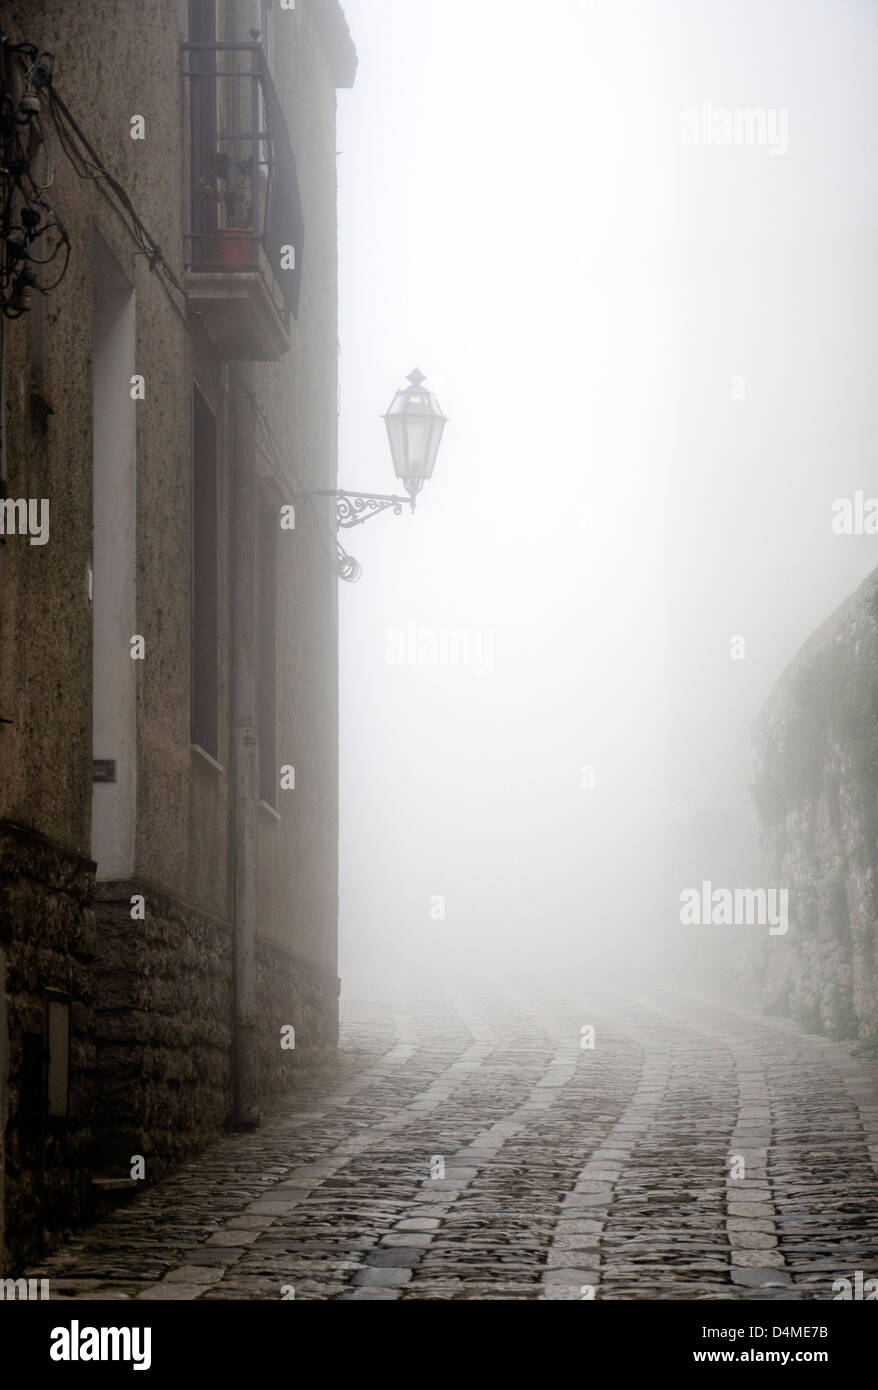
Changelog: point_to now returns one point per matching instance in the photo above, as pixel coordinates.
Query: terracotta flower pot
(234, 248)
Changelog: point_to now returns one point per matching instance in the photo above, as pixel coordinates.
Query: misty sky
(521, 219)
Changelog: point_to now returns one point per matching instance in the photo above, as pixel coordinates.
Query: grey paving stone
(571, 1278)
(176, 1293)
(406, 1240)
(761, 1278)
(382, 1278)
(194, 1274)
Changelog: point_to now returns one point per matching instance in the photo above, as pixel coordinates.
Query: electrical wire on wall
(88, 165)
(34, 245)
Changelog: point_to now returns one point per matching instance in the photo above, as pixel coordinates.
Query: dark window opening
(204, 579)
(57, 1054)
(202, 21)
(33, 1078)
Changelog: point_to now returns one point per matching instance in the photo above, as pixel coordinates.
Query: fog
(657, 356)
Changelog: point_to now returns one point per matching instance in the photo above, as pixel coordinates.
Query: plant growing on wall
(232, 188)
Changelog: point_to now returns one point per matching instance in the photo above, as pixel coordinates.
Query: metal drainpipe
(4, 1037)
(244, 752)
(4, 1072)
(2, 429)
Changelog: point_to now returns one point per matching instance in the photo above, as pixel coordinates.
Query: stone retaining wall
(817, 795)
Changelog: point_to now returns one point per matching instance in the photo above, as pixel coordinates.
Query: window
(205, 210)
(202, 21)
(266, 675)
(204, 578)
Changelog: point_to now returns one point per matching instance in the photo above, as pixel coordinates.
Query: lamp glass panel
(396, 435)
(418, 432)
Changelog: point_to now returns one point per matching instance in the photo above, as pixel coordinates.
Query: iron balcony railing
(246, 209)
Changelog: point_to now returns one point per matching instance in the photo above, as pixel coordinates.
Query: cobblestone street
(564, 1167)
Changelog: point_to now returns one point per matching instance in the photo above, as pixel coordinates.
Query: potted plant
(232, 243)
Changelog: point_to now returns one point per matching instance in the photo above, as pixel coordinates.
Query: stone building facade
(168, 657)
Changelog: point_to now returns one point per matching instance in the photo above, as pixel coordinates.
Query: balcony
(244, 249)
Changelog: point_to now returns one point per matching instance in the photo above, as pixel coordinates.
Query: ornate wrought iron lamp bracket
(355, 508)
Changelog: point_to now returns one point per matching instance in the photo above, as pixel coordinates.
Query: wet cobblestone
(471, 1148)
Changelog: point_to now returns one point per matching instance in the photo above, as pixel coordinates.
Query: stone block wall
(292, 992)
(163, 1016)
(164, 1000)
(47, 935)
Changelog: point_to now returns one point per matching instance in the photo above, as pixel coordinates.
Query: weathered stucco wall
(816, 791)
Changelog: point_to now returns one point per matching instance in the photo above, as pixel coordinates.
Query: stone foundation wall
(47, 936)
(152, 1005)
(164, 1012)
(293, 992)
(163, 1028)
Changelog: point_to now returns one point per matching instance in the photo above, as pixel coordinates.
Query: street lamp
(415, 425)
